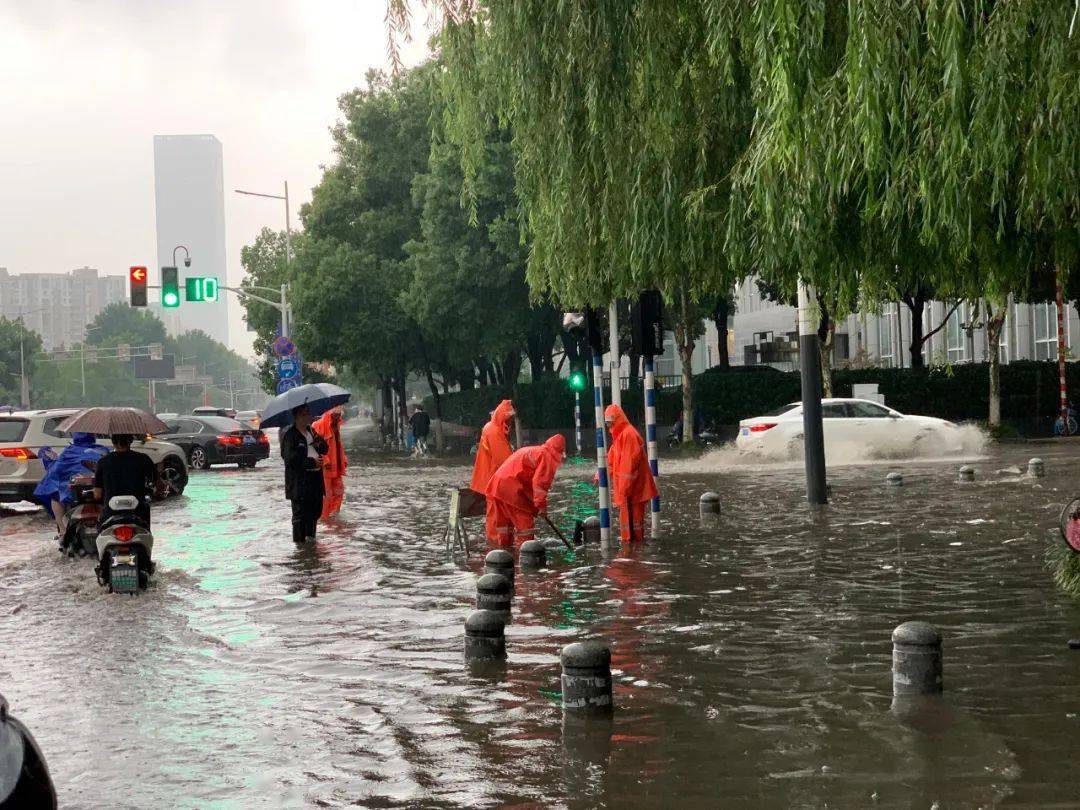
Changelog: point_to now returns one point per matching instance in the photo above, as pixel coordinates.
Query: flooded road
(752, 656)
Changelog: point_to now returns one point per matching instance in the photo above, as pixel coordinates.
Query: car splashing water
(751, 653)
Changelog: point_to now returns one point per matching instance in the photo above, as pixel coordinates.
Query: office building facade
(189, 195)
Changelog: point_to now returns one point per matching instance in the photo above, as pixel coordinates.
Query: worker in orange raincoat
(334, 462)
(632, 482)
(494, 446)
(518, 491)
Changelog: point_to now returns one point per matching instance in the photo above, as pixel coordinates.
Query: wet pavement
(752, 654)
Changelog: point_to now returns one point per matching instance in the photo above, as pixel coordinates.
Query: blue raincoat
(58, 474)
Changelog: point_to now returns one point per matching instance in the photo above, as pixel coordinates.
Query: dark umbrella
(110, 421)
(319, 398)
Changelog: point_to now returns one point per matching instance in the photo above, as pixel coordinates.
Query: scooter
(125, 548)
(79, 536)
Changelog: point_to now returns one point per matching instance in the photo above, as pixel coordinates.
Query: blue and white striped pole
(650, 439)
(601, 449)
(577, 422)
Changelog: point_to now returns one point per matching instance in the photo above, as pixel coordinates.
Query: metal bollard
(1036, 468)
(484, 635)
(967, 473)
(493, 593)
(532, 555)
(709, 503)
(916, 661)
(501, 562)
(591, 530)
(894, 479)
(586, 677)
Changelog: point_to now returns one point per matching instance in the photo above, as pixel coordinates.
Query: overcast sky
(88, 83)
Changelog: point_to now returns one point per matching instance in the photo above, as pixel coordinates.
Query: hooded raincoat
(518, 490)
(334, 462)
(494, 446)
(56, 485)
(632, 482)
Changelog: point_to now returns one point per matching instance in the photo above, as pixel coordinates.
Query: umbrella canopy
(319, 398)
(110, 421)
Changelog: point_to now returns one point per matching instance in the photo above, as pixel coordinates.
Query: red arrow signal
(138, 274)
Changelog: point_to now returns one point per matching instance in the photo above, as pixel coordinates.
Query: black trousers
(307, 508)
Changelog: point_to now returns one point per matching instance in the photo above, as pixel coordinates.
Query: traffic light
(137, 277)
(647, 325)
(579, 377)
(170, 287)
(197, 288)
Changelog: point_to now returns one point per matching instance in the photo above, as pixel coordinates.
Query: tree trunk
(511, 368)
(386, 418)
(721, 313)
(440, 440)
(994, 322)
(826, 331)
(685, 343)
(1063, 402)
(635, 365)
(916, 304)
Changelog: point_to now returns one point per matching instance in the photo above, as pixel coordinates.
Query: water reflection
(752, 653)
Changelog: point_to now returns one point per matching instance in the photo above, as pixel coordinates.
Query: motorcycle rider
(125, 472)
(78, 458)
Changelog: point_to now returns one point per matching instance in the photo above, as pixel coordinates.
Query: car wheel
(174, 473)
(198, 459)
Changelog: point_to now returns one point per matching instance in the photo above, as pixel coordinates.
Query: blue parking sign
(285, 385)
(287, 368)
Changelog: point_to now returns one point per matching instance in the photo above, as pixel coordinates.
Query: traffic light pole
(281, 306)
(810, 373)
(577, 421)
(650, 438)
(601, 448)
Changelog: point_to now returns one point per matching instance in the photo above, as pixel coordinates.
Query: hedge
(1029, 398)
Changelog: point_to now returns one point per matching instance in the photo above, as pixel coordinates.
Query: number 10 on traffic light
(201, 289)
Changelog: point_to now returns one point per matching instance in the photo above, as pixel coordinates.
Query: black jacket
(299, 469)
(420, 423)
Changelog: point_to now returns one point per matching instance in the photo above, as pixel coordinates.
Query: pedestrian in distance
(420, 423)
(335, 462)
(494, 446)
(518, 491)
(632, 482)
(302, 450)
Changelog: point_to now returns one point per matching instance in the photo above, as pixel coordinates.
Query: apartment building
(59, 306)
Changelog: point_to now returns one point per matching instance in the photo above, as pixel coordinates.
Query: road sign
(285, 385)
(287, 368)
(284, 347)
(138, 277)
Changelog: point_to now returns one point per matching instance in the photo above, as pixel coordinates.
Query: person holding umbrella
(302, 449)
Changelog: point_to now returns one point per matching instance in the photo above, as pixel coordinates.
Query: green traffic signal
(578, 380)
(170, 288)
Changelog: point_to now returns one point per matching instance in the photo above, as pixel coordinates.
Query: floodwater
(752, 655)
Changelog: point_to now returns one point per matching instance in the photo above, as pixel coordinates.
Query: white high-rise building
(189, 192)
(59, 306)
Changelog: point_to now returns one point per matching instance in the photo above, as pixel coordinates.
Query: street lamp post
(288, 248)
(24, 383)
(187, 255)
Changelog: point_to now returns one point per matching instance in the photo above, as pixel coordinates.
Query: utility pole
(810, 373)
(613, 348)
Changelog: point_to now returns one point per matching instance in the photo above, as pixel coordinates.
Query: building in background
(59, 306)
(189, 195)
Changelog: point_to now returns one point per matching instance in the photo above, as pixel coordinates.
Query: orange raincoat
(632, 483)
(494, 446)
(334, 462)
(518, 491)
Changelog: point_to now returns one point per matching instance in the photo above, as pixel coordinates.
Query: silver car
(25, 434)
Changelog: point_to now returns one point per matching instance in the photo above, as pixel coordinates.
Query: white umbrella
(319, 398)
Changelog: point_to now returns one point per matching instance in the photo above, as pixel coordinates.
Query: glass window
(782, 410)
(219, 424)
(189, 426)
(885, 338)
(868, 410)
(12, 430)
(1045, 322)
(834, 410)
(955, 343)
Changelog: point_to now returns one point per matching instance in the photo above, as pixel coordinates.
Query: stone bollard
(484, 636)
(500, 562)
(586, 678)
(1036, 469)
(967, 473)
(493, 593)
(894, 479)
(591, 530)
(916, 659)
(532, 555)
(709, 503)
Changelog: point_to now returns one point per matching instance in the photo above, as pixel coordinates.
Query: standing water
(751, 654)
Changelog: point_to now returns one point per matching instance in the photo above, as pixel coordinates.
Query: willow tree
(626, 119)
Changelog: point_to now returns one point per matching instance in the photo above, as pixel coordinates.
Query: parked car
(25, 435)
(858, 423)
(212, 410)
(210, 440)
(250, 419)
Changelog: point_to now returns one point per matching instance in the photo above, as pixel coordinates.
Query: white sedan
(856, 427)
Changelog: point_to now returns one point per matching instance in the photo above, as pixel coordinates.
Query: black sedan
(209, 440)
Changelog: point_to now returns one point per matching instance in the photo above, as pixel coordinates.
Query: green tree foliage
(19, 348)
(264, 266)
(120, 323)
